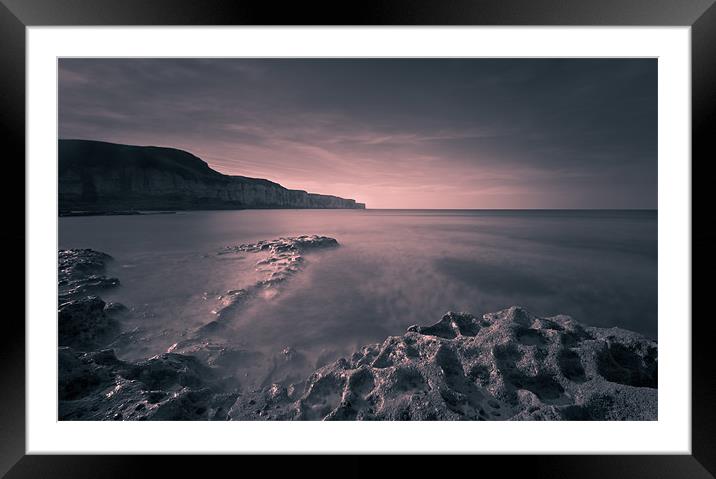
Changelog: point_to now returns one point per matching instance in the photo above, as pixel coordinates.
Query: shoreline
(504, 365)
(64, 214)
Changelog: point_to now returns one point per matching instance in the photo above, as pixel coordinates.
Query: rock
(98, 386)
(84, 320)
(245, 368)
(279, 246)
(83, 323)
(81, 272)
(284, 259)
(508, 365)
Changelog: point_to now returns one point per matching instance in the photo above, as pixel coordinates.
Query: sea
(392, 269)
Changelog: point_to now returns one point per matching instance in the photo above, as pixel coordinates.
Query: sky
(393, 133)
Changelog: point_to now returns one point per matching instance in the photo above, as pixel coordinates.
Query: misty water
(393, 268)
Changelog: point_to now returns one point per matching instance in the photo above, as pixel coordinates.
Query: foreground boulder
(98, 386)
(93, 384)
(505, 365)
(81, 272)
(84, 320)
(86, 323)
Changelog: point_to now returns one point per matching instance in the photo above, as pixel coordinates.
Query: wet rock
(81, 272)
(508, 365)
(284, 257)
(95, 385)
(245, 368)
(279, 246)
(98, 386)
(84, 320)
(450, 326)
(84, 323)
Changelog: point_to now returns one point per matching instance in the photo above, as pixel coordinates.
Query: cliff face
(99, 176)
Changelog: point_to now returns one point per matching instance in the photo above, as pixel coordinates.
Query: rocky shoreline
(508, 365)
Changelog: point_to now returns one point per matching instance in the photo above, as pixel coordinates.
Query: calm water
(394, 268)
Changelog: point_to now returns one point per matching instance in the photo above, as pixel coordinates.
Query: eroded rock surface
(508, 365)
(285, 255)
(81, 271)
(86, 323)
(284, 258)
(94, 384)
(98, 386)
(197, 378)
(84, 320)
(505, 365)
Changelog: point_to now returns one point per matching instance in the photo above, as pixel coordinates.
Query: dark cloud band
(411, 133)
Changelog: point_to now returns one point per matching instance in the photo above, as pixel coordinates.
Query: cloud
(459, 133)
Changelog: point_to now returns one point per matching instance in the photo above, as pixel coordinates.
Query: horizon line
(277, 182)
(517, 209)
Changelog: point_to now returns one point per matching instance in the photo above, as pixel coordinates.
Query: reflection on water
(394, 268)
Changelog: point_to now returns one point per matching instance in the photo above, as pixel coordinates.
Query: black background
(15, 15)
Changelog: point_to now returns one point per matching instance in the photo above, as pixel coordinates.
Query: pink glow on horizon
(391, 134)
(404, 177)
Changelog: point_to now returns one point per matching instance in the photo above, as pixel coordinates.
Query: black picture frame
(16, 15)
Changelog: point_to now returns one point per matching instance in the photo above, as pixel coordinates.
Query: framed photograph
(412, 229)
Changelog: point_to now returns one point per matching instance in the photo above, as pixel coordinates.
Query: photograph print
(428, 239)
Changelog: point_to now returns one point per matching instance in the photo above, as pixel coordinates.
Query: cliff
(100, 176)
